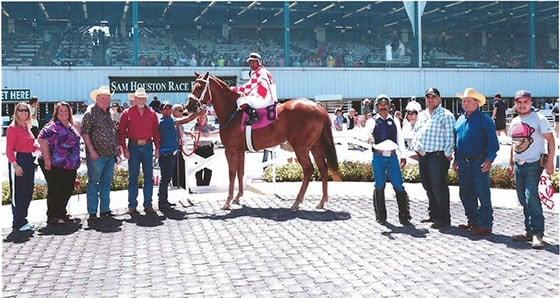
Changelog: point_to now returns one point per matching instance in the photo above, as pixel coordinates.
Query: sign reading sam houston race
(158, 84)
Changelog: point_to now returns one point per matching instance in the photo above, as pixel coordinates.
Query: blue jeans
(167, 167)
(527, 178)
(21, 188)
(433, 175)
(474, 187)
(100, 178)
(140, 154)
(383, 165)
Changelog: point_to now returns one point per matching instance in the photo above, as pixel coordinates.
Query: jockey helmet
(254, 56)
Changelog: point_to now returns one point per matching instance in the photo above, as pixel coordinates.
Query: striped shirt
(434, 132)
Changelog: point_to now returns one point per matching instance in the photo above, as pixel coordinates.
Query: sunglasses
(411, 112)
(23, 110)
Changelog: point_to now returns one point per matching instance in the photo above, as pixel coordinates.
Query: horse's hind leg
(232, 167)
(303, 158)
(240, 175)
(319, 157)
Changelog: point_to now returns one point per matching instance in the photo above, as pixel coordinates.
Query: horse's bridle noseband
(206, 89)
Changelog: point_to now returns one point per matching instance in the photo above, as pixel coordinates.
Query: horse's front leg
(232, 167)
(303, 156)
(240, 175)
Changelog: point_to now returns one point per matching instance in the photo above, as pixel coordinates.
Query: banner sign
(158, 84)
(16, 94)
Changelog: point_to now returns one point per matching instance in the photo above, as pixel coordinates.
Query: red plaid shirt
(260, 84)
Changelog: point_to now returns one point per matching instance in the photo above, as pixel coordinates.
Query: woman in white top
(409, 123)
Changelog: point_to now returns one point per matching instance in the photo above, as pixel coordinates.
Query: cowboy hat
(472, 93)
(140, 92)
(101, 91)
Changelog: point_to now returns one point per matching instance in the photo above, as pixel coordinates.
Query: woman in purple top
(60, 150)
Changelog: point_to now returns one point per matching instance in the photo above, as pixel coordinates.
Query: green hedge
(360, 171)
(120, 182)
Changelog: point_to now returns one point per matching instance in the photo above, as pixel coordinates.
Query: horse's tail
(330, 150)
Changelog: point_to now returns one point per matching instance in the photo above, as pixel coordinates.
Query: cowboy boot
(379, 205)
(252, 113)
(404, 210)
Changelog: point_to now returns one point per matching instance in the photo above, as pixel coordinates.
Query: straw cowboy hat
(140, 92)
(472, 93)
(103, 90)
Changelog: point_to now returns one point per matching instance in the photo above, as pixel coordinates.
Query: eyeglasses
(23, 110)
(412, 112)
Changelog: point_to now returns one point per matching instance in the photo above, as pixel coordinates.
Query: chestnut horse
(303, 123)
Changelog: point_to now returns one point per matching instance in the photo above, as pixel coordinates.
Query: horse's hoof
(236, 202)
(294, 208)
(226, 207)
(320, 206)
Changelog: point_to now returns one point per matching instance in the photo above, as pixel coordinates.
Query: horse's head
(200, 93)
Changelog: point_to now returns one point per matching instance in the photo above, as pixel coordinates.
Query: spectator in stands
(402, 50)
(20, 144)
(433, 142)
(193, 62)
(499, 115)
(529, 131)
(99, 132)
(476, 146)
(388, 52)
(139, 125)
(352, 118)
(339, 119)
(155, 104)
(34, 110)
(60, 160)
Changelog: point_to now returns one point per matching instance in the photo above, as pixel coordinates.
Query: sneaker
(538, 242)
(522, 237)
(26, 227)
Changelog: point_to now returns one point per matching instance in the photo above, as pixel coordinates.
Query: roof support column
(135, 32)
(287, 59)
(532, 35)
(418, 26)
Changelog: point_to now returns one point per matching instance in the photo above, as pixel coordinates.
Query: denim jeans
(434, 168)
(167, 167)
(21, 188)
(527, 178)
(383, 165)
(474, 187)
(140, 154)
(100, 178)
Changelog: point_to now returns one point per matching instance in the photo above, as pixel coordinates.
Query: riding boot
(252, 113)
(379, 205)
(404, 210)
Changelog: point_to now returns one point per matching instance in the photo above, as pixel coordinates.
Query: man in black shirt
(155, 104)
(499, 114)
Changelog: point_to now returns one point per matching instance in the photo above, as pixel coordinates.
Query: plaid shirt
(434, 132)
(260, 85)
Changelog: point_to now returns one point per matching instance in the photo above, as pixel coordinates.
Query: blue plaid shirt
(434, 132)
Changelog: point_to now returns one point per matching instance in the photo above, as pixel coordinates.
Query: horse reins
(198, 99)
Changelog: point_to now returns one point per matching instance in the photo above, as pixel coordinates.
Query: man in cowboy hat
(139, 124)
(433, 141)
(476, 146)
(385, 132)
(100, 133)
(529, 131)
(258, 92)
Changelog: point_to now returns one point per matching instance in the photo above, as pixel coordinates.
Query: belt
(386, 153)
(140, 142)
(424, 153)
(473, 158)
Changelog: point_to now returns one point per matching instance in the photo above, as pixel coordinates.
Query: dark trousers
(167, 168)
(21, 188)
(60, 186)
(203, 176)
(179, 172)
(433, 175)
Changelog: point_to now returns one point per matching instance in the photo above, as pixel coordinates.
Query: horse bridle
(203, 93)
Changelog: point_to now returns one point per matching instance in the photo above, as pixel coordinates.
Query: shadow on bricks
(106, 225)
(409, 230)
(174, 214)
(61, 229)
(148, 220)
(282, 214)
(498, 238)
(19, 236)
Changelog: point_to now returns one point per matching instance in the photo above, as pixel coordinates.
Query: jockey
(259, 92)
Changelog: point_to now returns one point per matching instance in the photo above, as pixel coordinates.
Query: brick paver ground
(263, 250)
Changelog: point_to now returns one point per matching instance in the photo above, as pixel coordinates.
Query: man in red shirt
(139, 124)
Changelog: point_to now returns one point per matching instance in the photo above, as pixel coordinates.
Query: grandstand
(462, 34)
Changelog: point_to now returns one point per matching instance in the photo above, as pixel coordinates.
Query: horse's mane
(223, 85)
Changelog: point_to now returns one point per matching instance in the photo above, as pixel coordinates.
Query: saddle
(267, 116)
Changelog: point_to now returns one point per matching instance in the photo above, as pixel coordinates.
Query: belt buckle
(422, 153)
(520, 162)
(141, 142)
(386, 153)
